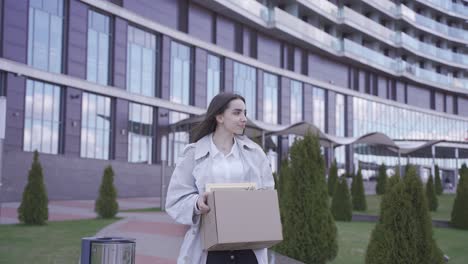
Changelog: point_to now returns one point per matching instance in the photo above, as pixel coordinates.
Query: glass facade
(97, 63)
(340, 155)
(179, 93)
(141, 61)
(42, 117)
(296, 106)
(318, 104)
(140, 133)
(213, 77)
(45, 30)
(245, 80)
(270, 98)
(95, 126)
(406, 125)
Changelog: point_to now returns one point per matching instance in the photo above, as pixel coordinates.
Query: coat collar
(203, 146)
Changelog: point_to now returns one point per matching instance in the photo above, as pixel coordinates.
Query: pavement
(158, 237)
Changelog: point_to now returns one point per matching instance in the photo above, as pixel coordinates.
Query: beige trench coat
(188, 181)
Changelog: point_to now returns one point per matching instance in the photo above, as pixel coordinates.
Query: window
(245, 80)
(95, 126)
(213, 78)
(270, 98)
(45, 34)
(179, 93)
(318, 102)
(97, 64)
(140, 133)
(42, 117)
(141, 62)
(340, 128)
(296, 105)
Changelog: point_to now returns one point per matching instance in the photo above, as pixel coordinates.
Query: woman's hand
(202, 203)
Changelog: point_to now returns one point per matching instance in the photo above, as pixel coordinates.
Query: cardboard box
(241, 219)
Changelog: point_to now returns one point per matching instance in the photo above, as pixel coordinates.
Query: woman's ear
(219, 119)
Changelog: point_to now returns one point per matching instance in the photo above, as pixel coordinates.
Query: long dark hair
(217, 106)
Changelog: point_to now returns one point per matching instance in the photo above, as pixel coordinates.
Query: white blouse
(227, 168)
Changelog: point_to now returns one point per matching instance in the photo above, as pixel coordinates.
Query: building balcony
(437, 28)
(251, 10)
(322, 7)
(362, 23)
(447, 6)
(368, 56)
(302, 30)
(425, 50)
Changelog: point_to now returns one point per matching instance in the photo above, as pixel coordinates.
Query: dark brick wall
(308, 108)
(76, 178)
(269, 50)
(16, 91)
(77, 34)
(15, 31)
(200, 81)
(72, 125)
(419, 97)
(326, 70)
(120, 53)
(449, 103)
(121, 125)
(463, 106)
(200, 22)
(162, 11)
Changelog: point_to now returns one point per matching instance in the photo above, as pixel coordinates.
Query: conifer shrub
(459, 215)
(309, 231)
(332, 178)
(342, 208)
(106, 205)
(404, 231)
(357, 193)
(439, 189)
(33, 209)
(381, 180)
(431, 196)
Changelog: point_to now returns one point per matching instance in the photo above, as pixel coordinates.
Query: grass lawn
(56, 242)
(142, 210)
(353, 239)
(443, 211)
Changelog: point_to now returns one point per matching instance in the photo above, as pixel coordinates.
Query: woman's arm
(182, 193)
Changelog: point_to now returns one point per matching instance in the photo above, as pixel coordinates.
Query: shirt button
(232, 257)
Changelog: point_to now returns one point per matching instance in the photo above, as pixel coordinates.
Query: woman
(220, 154)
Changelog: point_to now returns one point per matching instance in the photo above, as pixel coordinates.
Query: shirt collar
(215, 151)
(203, 145)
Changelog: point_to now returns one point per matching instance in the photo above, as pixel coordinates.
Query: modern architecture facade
(91, 83)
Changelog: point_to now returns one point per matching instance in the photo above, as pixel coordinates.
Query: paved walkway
(158, 237)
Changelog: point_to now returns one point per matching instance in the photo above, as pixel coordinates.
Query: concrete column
(2, 133)
(433, 160)
(455, 182)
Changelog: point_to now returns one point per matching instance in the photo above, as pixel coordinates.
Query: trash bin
(107, 250)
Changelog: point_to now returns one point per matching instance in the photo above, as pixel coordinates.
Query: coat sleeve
(182, 193)
(266, 173)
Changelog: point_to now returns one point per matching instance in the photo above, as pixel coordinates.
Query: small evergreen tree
(404, 232)
(357, 193)
(431, 196)
(342, 208)
(332, 178)
(310, 234)
(33, 209)
(459, 214)
(438, 181)
(381, 180)
(106, 205)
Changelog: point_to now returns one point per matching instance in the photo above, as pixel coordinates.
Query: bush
(439, 189)
(431, 196)
(404, 232)
(332, 178)
(33, 209)
(460, 205)
(342, 208)
(357, 193)
(310, 233)
(106, 205)
(381, 180)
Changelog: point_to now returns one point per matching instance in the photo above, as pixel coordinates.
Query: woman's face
(233, 119)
